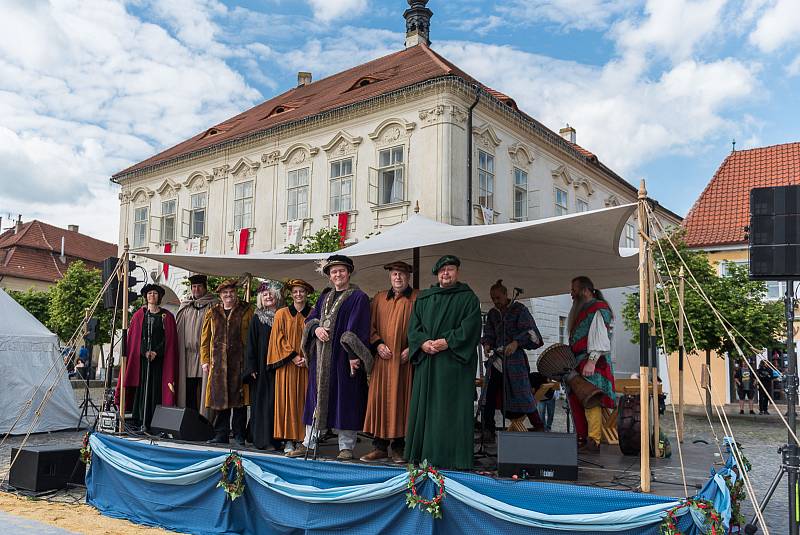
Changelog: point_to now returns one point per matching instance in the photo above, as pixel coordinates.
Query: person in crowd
(745, 386)
(443, 337)
(509, 330)
(590, 323)
(285, 355)
(336, 340)
(258, 374)
(222, 349)
(191, 381)
(764, 374)
(390, 382)
(152, 358)
(546, 394)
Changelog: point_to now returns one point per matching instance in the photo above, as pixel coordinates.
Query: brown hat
(291, 283)
(398, 265)
(228, 283)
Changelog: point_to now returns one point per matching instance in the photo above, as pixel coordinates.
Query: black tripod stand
(87, 396)
(790, 453)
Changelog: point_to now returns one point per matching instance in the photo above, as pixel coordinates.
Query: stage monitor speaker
(774, 233)
(537, 455)
(41, 468)
(181, 424)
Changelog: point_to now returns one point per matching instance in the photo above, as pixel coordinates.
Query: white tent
(29, 356)
(540, 256)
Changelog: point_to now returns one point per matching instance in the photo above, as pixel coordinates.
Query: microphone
(519, 290)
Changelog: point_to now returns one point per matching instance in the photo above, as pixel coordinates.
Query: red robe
(170, 367)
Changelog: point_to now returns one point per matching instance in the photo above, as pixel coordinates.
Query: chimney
(18, 225)
(72, 228)
(568, 133)
(62, 257)
(303, 78)
(418, 23)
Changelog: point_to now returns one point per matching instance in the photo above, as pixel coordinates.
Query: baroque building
(358, 150)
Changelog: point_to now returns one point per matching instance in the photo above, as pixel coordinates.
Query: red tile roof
(34, 252)
(720, 214)
(401, 69)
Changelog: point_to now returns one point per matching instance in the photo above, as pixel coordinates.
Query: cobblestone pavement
(15, 524)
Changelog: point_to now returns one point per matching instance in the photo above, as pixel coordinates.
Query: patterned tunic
(603, 376)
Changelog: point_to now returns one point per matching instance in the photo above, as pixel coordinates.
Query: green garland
(737, 489)
(711, 518)
(413, 499)
(86, 451)
(234, 488)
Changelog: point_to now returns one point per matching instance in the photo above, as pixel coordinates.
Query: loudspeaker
(537, 455)
(40, 468)
(774, 233)
(181, 424)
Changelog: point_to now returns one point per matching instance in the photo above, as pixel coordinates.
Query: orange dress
(390, 382)
(290, 380)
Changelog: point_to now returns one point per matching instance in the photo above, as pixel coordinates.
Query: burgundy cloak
(170, 366)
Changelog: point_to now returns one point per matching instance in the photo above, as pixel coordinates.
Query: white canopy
(29, 356)
(540, 256)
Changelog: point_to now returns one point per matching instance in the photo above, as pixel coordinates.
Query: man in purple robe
(336, 344)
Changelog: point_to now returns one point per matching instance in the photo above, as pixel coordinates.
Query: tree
(738, 299)
(36, 302)
(325, 240)
(70, 298)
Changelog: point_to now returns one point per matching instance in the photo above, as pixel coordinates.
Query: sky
(657, 89)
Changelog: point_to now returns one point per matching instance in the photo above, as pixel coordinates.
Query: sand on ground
(79, 518)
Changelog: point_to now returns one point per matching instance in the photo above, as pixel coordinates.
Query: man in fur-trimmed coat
(336, 343)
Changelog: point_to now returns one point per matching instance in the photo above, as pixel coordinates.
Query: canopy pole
(644, 339)
(681, 350)
(415, 267)
(653, 353)
(123, 357)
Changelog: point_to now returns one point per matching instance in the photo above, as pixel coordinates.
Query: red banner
(167, 249)
(343, 218)
(244, 240)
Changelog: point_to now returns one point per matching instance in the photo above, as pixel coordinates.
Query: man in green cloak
(443, 334)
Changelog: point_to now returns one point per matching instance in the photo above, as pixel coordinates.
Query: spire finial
(733, 145)
(418, 23)
(416, 208)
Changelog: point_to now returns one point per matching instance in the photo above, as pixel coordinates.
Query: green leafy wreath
(413, 499)
(86, 450)
(234, 488)
(711, 518)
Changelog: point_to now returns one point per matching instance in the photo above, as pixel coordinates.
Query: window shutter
(186, 218)
(155, 229)
(372, 189)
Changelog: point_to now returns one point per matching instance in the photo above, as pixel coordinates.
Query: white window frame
(336, 199)
(298, 210)
(243, 204)
(166, 217)
(486, 176)
(630, 236)
(140, 222)
(563, 328)
(194, 209)
(520, 195)
(394, 167)
(560, 209)
(581, 205)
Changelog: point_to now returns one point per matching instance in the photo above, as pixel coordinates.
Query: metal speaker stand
(86, 403)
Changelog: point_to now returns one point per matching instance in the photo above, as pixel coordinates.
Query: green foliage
(36, 302)
(325, 240)
(738, 299)
(70, 298)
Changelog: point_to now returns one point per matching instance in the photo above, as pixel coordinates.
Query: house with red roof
(36, 255)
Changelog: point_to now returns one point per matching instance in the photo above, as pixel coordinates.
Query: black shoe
(766, 413)
(218, 440)
(240, 441)
(741, 411)
(752, 411)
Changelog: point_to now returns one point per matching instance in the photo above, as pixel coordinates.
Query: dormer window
(363, 82)
(277, 110)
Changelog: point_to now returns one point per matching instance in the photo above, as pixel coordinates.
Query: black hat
(338, 260)
(446, 260)
(147, 288)
(198, 279)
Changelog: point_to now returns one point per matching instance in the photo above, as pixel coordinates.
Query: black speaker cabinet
(41, 468)
(774, 233)
(181, 424)
(539, 455)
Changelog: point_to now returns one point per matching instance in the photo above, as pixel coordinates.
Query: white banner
(294, 232)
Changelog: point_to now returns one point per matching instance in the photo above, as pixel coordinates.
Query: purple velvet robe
(347, 396)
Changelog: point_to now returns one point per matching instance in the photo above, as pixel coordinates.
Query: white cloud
(328, 10)
(778, 25)
(671, 29)
(793, 69)
(568, 14)
(481, 25)
(86, 89)
(621, 114)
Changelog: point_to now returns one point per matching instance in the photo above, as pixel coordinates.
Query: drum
(557, 362)
(629, 424)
